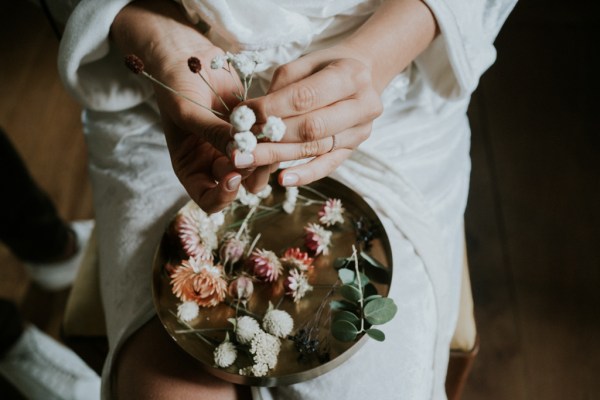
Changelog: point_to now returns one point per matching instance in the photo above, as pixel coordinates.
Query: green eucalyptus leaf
(344, 331)
(364, 280)
(374, 269)
(342, 305)
(350, 293)
(347, 316)
(373, 262)
(380, 311)
(346, 275)
(376, 334)
(341, 262)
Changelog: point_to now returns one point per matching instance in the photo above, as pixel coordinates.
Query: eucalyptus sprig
(361, 308)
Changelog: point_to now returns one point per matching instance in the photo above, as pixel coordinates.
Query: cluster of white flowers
(188, 310)
(291, 197)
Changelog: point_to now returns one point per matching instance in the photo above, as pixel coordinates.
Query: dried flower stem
(240, 92)
(361, 300)
(213, 90)
(245, 222)
(252, 245)
(153, 79)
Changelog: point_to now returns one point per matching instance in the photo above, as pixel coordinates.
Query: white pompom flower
(291, 197)
(245, 141)
(245, 329)
(242, 118)
(225, 354)
(243, 63)
(274, 129)
(277, 322)
(188, 310)
(218, 62)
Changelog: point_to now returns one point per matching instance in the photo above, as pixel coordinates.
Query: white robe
(413, 170)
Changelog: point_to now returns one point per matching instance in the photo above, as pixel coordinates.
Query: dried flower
(245, 141)
(194, 64)
(245, 329)
(274, 129)
(242, 118)
(243, 63)
(197, 231)
(218, 62)
(265, 348)
(134, 63)
(232, 248)
(331, 212)
(277, 322)
(265, 192)
(225, 354)
(241, 288)
(199, 281)
(317, 239)
(217, 218)
(260, 369)
(187, 310)
(296, 285)
(265, 265)
(296, 258)
(247, 198)
(291, 197)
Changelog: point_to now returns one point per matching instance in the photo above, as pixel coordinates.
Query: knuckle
(311, 129)
(303, 98)
(309, 149)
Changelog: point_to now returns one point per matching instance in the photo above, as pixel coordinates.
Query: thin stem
(251, 248)
(202, 330)
(213, 90)
(245, 222)
(314, 191)
(361, 300)
(153, 79)
(237, 83)
(244, 310)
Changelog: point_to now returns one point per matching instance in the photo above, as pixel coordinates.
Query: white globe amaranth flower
(225, 354)
(266, 192)
(245, 329)
(274, 129)
(242, 118)
(291, 196)
(188, 310)
(245, 141)
(278, 323)
(247, 198)
(218, 62)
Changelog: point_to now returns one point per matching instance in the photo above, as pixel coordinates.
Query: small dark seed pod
(194, 64)
(134, 63)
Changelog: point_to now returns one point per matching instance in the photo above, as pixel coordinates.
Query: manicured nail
(243, 160)
(290, 179)
(234, 183)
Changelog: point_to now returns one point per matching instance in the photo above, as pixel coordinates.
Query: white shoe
(60, 275)
(42, 368)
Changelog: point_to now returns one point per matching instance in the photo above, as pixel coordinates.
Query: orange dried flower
(199, 281)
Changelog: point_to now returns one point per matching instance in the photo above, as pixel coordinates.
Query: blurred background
(532, 222)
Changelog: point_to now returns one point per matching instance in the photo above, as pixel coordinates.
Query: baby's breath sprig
(136, 65)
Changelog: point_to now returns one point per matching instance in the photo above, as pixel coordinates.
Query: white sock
(60, 275)
(42, 368)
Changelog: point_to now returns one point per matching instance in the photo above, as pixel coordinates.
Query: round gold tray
(278, 232)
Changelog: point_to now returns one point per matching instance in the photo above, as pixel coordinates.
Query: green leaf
(364, 280)
(346, 275)
(374, 269)
(373, 262)
(351, 293)
(376, 334)
(344, 331)
(347, 316)
(380, 311)
(341, 305)
(372, 297)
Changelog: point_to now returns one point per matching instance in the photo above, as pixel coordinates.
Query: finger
(292, 72)
(314, 170)
(269, 153)
(225, 191)
(338, 80)
(258, 180)
(331, 120)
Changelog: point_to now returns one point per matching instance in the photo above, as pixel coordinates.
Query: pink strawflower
(296, 285)
(232, 248)
(197, 232)
(296, 258)
(332, 212)
(199, 281)
(265, 265)
(317, 239)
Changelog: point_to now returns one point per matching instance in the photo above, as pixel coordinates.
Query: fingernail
(290, 179)
(234, 183)
(243, 160)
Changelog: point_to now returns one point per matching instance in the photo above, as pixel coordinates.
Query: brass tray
(278, 232)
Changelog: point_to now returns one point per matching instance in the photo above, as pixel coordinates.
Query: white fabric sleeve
(93, 70)
(465, 45)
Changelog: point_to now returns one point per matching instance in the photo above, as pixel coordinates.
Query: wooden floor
(533, 220)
